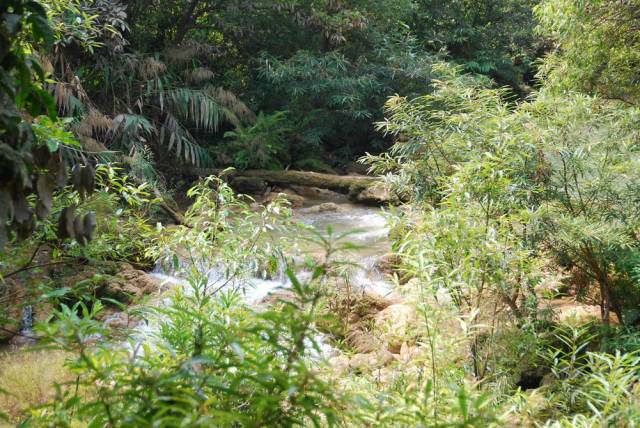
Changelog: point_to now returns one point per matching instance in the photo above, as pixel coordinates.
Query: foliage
(260, 146)
(597, 388)
(23, 27)
(597, 46)
(504, 196)
(590, 204)
(494, 38)
(212, 359)
(329, 64)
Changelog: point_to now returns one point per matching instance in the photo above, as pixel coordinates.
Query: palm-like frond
(196, 106)
(230, 101)
(93, 123)
(198, 75)
(175, 135)
(67, 102)
(130, 129)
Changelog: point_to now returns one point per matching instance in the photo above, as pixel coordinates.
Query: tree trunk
(186, 21)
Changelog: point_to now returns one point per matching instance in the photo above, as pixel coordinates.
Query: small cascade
(370, 235)
(26, 324)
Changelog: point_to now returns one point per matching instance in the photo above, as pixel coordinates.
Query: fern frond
(151, 67)
(130, 129)
(198, 75)
(175, 135)
(68, 104)
(229, 100)
(196, 106)
(94, 122)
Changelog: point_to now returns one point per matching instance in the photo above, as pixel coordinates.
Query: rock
(128, 285)
(339, 364)
(315, 192)
(249, 185)
(375, 194)
(296, 201)
(393, 325)
(370, 361)
(322, 208)
(19, 341)
(118, 320)
(408, 353)
(328, 207)
(278, 297)
(363, 341)
(388, 263)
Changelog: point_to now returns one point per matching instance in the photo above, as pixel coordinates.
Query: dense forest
(378, 213)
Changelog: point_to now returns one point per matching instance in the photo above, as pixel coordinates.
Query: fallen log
(348, 184)
(360, 188)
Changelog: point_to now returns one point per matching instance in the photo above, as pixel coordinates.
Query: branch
(27, 267)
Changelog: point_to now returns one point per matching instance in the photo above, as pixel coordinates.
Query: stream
(369, 233)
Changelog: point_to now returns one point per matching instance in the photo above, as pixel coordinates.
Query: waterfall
(26, 325)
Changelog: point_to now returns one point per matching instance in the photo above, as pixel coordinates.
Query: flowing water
(368, 232)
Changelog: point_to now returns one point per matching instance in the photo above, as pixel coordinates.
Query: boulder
(315, 192)
(339, 364)
(375, 194)
(323, 208)
(370, 361)
(328, 207)
(388, 263)
(117, 320)
(249, 185)
(128, 285)
(408, 352)
(296, 201)
(393, 325)
(362, 340)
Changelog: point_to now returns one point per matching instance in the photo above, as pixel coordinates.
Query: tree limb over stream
(359, 188)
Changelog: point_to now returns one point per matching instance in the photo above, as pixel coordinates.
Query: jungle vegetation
(508, 130)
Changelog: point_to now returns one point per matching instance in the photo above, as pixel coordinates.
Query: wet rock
(296, 201)
(388, 263)
(323, 208)
(375, 195)
(328, 207)
(278, 297)
(129, 285)
(316, 193)
(249, 185)
(117, 320)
